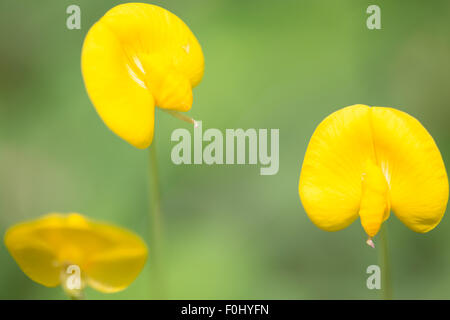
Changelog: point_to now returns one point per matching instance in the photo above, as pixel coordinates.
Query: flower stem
(78, 296)
(156, 228)
(181, 116)
(385, 265)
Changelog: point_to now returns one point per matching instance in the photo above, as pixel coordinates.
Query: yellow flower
(109, 258)
(364, 161)
(135, 57)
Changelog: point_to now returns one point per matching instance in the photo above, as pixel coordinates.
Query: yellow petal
(414, 167)
(35, 259)
(374, 206)
(114, 270)
(72, 240)
(138, 55)
(330, 179)
(122, 101)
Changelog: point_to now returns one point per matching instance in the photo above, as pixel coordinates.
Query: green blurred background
(230, 232)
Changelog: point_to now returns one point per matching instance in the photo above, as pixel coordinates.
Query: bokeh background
(230, 232)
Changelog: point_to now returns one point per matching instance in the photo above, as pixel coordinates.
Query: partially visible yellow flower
(109, 257)
(366, 161)
(135, 57)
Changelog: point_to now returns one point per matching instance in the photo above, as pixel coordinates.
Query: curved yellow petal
(60, 240)
(121, 100)
(330, 179)
(115, 267)
(375, 206)
(34, 258)
(138, 55)
(114, 270)
(413, 166)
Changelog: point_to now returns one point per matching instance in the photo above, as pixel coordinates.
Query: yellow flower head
(135, 57)
(109, 258)
(364, 161)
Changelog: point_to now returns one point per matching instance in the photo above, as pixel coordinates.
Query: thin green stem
(79, 296)
(156, 229)
(385, 265)
(181, 116)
